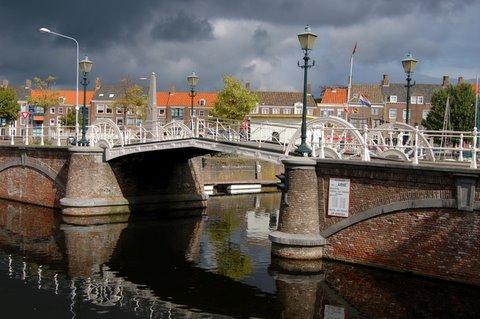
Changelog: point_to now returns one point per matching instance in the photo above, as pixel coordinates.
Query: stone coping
(85, 149)
(443, 168)
(296, 239)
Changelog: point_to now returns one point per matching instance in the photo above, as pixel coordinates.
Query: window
(275, 110)
(255, 110)
(60, 110)
(310, 111)
(404, 115)
(201, 113)
(109, 109)
(119, 121)
(119, 110)
(52, 110)
(101, 95)
(161, 112)
(340, 112)
(61, 100)
(375, 111)
(392, 113)
(100, 108)
(265, 110)
(413, 100)
(419, 99)
(323, 112)
(298, 107)
(177, 113)
(393, 99)
(425, 114)
(202, 102)
(52, 121)
(131, 121)
(287, 111)
(111, 95)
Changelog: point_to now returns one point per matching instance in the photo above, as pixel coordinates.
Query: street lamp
(409, 64)
(307, 41)
(85, 67)
(45, 30)
(192, 81)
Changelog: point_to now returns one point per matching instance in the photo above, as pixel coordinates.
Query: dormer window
(61, 100)
(393, 99)
(101, 95)
(202, 102)
(111, 95)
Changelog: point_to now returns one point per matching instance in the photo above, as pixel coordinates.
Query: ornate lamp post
(307, 41)
(85, 68)
(192, 81)
(409, 64)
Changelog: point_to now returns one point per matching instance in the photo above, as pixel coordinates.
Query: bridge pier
(298, 235)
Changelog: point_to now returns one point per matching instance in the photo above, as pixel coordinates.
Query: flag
(346, 110)
(354, 48)
(365, 101)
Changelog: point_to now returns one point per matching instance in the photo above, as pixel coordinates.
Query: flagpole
(476, 103)
(349, 89)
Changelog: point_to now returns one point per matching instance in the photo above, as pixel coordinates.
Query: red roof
(184, 99)
(69, 95)
(334, 96)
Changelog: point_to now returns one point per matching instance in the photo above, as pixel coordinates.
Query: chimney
(446, 81)
(247, 86)
(98, 84)
(5, 83)
(309, 88)
(28, 84)
(460, 80)
(172, 89)
(385, 80)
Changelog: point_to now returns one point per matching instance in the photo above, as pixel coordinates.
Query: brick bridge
(417, 218)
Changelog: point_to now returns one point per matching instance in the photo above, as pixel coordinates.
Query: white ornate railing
(328, 137)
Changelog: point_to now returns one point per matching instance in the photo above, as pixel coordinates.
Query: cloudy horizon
(253, 40)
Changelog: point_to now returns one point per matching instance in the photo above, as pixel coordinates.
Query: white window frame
(392, 113)
(404, 114)
(119, 119)
(265, 110)
(287, 111)
(52, 110)
(100, 108)
(60, 110)
(413, 99)
(275, 110)
(201, 112)
(202, 102)
(310, 111)
(420, 99)
(393, 99)
(255, 110)
(52, 122)
(107, 108)
(375, 111)
(161, 112)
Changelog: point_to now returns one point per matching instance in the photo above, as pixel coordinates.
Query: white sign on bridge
(339, 197)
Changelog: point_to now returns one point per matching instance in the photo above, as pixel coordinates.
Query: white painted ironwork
(328, 137)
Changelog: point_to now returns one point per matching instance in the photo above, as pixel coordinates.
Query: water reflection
(217, 266)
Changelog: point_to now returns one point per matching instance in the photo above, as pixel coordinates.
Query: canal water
(215, 266)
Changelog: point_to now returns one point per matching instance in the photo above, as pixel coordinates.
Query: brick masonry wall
(35, 175)
(438, 242)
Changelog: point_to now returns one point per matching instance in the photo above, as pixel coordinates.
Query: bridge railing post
(58, 135)
(460, 154)
(216, 130)
(322, 141)
(415, 147)
(365, 153)
(12, 135)
(473, 163)
(26, 134)
(42, 142)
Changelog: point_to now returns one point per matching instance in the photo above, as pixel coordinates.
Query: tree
(9, 107)
(462, 108)
(235, 101)
(131, 99)
(69, 118)
(44, 96)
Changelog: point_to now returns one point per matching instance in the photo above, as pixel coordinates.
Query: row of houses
(386, 104)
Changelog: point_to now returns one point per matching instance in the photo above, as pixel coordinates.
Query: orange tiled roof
(69, 95)
(184, 99)
(334, 96)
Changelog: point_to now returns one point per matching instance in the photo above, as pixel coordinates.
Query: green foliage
(131, 99)
(69, 118)
(9, 107)
(45, 96)
(234, 101)
(462, 108)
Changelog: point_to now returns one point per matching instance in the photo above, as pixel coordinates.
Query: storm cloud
(254, 40)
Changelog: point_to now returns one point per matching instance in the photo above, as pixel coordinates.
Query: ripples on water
(216, 266)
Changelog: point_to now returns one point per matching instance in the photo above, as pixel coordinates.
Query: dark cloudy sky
(254, 40)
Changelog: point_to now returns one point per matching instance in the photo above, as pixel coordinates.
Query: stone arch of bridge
(36, 166)
(434, 203)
